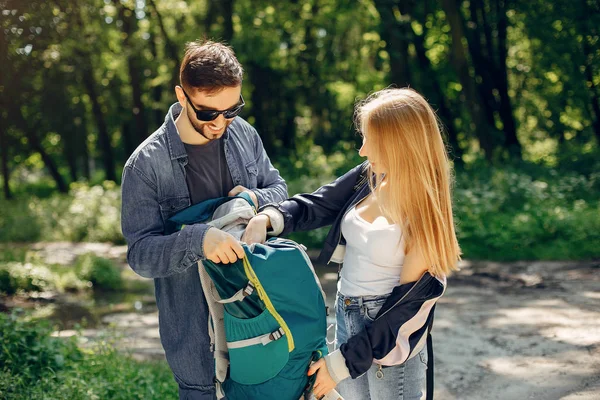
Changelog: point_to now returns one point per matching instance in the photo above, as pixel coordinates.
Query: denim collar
(176, 148)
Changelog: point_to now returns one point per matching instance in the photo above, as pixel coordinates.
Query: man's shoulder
(152, 150)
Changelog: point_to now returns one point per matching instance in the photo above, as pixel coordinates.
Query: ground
(526, 330)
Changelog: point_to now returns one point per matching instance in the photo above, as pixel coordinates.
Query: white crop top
(374, 256)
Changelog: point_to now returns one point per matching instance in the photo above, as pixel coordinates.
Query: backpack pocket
(258, 348)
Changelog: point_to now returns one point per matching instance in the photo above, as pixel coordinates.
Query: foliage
(85, 82)
(510, 215)
(34, 365)
(27, 277)
(89, 213)
(29, 351)
(524, 211)
(102, 273)
(89, 271)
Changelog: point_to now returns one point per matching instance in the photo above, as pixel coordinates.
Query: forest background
(515, 84)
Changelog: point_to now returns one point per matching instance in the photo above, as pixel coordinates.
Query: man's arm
(150, 253)
(271, 186)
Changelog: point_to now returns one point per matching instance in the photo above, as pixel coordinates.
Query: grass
(35, 365)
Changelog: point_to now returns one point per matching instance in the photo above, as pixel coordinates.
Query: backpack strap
(216, 329)
(430, 363)
(240, 295)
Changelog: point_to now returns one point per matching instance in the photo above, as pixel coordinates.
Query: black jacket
(400, 328)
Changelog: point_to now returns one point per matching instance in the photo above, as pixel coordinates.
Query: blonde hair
(404, 132)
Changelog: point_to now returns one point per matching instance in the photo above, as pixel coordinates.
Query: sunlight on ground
(555, 324)
(591, 295)
(544, 371)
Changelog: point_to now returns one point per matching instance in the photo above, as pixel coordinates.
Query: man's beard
(204, 131)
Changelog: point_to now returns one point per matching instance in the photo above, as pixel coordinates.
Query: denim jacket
(154, 188)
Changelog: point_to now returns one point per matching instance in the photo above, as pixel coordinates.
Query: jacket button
(347, 302)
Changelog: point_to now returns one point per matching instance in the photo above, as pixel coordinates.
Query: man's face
(224, 99)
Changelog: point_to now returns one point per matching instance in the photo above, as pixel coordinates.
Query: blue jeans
(398, 382)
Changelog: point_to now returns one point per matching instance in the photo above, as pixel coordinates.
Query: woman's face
(367, 150)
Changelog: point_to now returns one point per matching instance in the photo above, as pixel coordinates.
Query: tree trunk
(87, 76)
(159, 115)
(36, 146)
(396, 35)
(489, 61)
(172, 51)
(4, 156)
(3, 125)
(260, 77)
(85, 153)
(434, 90)
(588, 56)
(211, 14)
(227, 10)
(129, 20)
(506, 113)
(103, 135)
(16, 115)
(170, 46)
(289, 127)
(479, 45)
(594, 98)
(70, 153)
(458, 58)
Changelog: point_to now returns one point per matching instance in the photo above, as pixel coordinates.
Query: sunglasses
(211, 115)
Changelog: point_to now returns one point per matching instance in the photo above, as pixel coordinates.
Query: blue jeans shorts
(399, 382)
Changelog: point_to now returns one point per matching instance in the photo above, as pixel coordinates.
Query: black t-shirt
(207, 173)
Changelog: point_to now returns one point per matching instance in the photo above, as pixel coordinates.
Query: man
(202, 151)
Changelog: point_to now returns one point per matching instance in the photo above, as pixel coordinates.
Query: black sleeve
(308, 211)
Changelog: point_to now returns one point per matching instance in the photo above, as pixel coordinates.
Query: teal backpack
(273, 313)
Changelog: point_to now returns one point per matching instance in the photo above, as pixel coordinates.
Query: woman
(394, 234)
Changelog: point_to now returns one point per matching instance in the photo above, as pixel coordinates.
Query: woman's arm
(309, 211)
(399, 330)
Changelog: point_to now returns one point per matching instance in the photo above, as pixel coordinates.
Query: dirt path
(520, 331)
(527, 330)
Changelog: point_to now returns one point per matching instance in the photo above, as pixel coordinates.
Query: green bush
(86, 214)
(29, 351)
(509, 215)
(101, 272)
(515, 213)
(34, 365)
(523, 211)
(25, 277)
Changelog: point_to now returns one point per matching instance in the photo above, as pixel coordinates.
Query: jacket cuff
(196, 235)
(276, 220)
(336, 366)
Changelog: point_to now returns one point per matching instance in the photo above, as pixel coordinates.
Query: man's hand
(221, 247)
(323, 384)
(239, 189)
(256, 230)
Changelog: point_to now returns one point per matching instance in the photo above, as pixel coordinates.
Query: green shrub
(29, 351)
(34, 365)
(509, 215)
(523, 211)
(86, 214)
(101, 272)
(25, 277)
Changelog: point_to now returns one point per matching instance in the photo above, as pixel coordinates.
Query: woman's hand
(256, 230)
(241, 189)
(324, 383)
